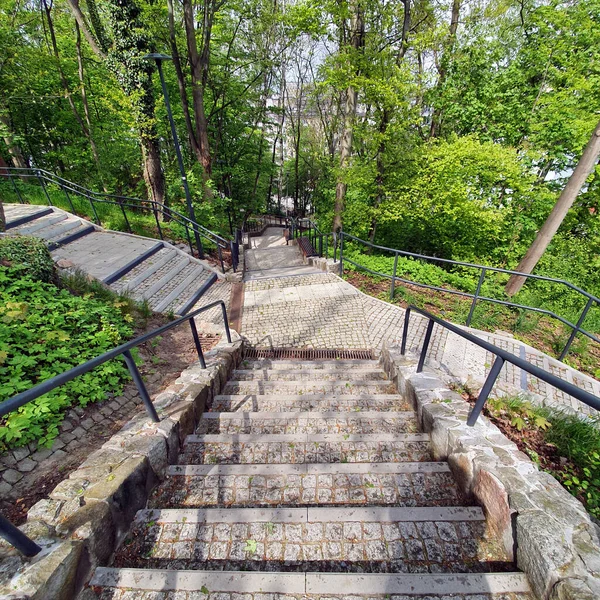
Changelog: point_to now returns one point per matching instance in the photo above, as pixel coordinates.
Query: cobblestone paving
(298, 452)
(305, 402)
(322, 311)
(349, 546)
(373, 489)
(118, 594)
(355, 424)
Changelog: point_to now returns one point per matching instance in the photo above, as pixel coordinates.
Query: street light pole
(159, 58)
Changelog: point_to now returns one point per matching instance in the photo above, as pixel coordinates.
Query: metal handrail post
(14, 536)
(393, 284)
(126, 219)
(96, 218)
(476, 296)
(405, 331)
(576, 330)
(341, 253)
(197, 343)
(139, 383)
(43, 184)
(485, 391)
(64, 189)
(12, 180)
(425, 346)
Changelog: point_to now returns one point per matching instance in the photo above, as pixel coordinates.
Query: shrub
(30, 254)
(45, 331)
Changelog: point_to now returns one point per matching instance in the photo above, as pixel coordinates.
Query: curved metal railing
(501, 355)
(576, 328)
(193, 230)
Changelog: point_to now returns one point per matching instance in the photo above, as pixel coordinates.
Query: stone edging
(85, 517)
(553, 538)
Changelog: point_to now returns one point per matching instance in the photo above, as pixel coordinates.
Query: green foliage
(30, 255)
(575, 437)
(45, 331)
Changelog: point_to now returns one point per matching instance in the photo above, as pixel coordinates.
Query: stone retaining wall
(85, 517)
(547, 530)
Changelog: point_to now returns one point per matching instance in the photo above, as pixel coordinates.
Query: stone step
(38, 224)
(142, 272)
(19, 214)
(307, 402)
(311, 585)
(346, 539)
(312, 448)
(307, 375)
(159, 286)
(102, 254)
(307, 422)
(312, 365)
(315, 386)
(367, 484)
(188, 281)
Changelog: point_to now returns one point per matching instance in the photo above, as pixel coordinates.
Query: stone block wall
(549, 533)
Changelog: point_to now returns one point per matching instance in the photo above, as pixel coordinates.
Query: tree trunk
(2, 217)
(357, 41)
(80, 18)
(586, 165)
(153, 175)
(436, 117)
(13, 148)
(181, 84)
(86, 108)
(199, 70)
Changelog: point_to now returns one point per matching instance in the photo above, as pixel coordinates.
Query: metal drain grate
(309, 353)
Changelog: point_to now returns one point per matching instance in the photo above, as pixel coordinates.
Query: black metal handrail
(7, 530)
(575, 327)
(123, 202)
(502, 356)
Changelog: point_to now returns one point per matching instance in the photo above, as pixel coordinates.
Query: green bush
(30, 254)
(45, 331)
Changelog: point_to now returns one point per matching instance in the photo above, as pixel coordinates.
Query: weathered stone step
(312, 585)
(307, 375)
(310, 365)
(398, 484)
(315, 386)
(348, 539)
(307, 422)
(300, 448)
(39, 224)
(144, 271)
(307, 402)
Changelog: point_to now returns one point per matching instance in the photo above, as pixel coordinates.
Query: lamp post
(159, 58)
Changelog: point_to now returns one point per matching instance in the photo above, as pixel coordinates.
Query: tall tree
(357, 42)
(582, 171)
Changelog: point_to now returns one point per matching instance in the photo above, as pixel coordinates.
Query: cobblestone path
(309, 480)
(285, 308)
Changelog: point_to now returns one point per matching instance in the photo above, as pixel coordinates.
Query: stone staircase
(146, 269)
(309, 480)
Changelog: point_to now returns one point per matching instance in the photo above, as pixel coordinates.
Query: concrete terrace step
(315, 386)
(312, 586)
(137, 278)
(18, 214)
(300, 448)
(307, 422)
(306, 375)
(307, 402)
(346, 539)
(366, 484)
(56, 228)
